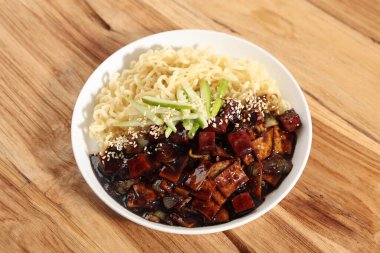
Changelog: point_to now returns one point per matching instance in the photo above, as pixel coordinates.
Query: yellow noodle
(159, 73)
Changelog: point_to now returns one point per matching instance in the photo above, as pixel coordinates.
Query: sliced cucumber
(188, 117)
(187, 124)
(168, 132)
(145, 111)
(170, 124)
(193, 130)
(206, 97)
(202, 122)
(193, 96)
(221, 91)
(166, 103)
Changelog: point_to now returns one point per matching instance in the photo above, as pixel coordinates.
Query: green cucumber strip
(193, 96)
(193, 130)
(202, 122)
(221, 91)
(181, 97)
(168, 132)
(170, 124)
(187, 124)
(165, 103)
(206, 96)
(216, 107)
(222, 88)
(146, 112)
(181, 118)
(132, 123)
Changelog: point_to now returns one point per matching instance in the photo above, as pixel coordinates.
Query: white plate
(223, 44)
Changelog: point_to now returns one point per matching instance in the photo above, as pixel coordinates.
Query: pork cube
(242, 202)
(206, 142)
(139, 165)
(290, 120)
(219, 126)
(173, 171)
(240, 142)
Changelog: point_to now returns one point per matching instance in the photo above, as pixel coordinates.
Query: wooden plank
(363, 16)
(47, 51)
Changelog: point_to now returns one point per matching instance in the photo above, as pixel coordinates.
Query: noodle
(159, 73)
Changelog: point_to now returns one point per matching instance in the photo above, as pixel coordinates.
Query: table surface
(48, 50)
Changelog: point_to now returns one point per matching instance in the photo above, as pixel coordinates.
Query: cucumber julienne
(193, 110)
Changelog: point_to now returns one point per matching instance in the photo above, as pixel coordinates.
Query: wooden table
(48, 50)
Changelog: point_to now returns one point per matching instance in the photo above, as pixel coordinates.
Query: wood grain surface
(49, 48)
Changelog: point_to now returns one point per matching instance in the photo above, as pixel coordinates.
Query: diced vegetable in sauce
(231, 179)
(242, 202)
(262, 146)
(201, 177)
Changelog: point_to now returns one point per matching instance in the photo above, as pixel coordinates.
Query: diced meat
(231, 111)
(139, 165)
(145, 192)
(242, 202)
(110, 166)
(251, 134)
(207, 208)
(290, 120)
(283, 142)
(172, 172)
(222, 216)
(180, 137)
(240, 142)
(206, 142)
(231, 179)
(205, 192)
(248, 159)
(272, 179)
(181, 191)
(218, 167)
(262, 146)
(166, 152)
(184, 221)
(196, 179)
(219, 126)
(218, 197)
(255, 176)
(276, 164)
